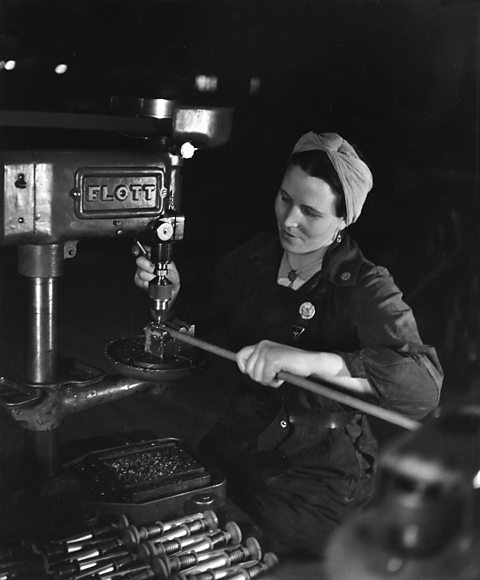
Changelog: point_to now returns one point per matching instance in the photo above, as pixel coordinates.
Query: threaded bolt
(186, 529)
(120, 523)
(269, 561)
(178, 563)
(231, 535)
(144, 575)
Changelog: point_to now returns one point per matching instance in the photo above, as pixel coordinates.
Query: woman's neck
(299, 261)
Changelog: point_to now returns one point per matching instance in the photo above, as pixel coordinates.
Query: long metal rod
(40, 365)
(325, 388)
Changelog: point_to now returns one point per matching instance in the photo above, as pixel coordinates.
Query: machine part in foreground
(425, 521)
(195, 545)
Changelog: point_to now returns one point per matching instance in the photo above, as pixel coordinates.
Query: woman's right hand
(145, 273)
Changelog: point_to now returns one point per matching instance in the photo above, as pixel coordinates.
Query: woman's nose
(291, 216)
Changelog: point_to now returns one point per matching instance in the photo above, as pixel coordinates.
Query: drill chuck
(160, 291)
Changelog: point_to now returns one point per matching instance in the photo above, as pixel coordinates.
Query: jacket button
(283, 424)
(345, 276)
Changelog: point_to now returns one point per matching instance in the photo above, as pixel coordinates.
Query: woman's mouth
(288, 235)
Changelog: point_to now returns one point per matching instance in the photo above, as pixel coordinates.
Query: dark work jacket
(359, 314)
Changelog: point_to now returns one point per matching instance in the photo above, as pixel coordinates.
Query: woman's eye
(310, 213)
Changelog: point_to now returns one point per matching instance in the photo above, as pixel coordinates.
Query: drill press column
(41, 266)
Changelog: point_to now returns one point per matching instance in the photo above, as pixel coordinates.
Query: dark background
(398, 78)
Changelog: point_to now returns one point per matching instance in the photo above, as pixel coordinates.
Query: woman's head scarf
(354, 174)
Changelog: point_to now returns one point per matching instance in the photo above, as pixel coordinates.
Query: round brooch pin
(307, 310)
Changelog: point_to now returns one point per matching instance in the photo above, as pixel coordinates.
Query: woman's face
(305, 212)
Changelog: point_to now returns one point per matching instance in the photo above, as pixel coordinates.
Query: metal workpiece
(254, 569)
(140, 572)
(195, 563)
(218, 539)
(232, 534)
(189, 559)
(74, 567)
(185, 529)
(110, 558)
(175, 546)
(154, 357)
(112, 527)
(136, 535)
(116, 563)
(107, 548)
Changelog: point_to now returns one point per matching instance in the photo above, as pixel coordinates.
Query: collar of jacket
(341, 264)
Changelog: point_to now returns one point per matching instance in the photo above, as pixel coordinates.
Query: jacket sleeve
(404, 373)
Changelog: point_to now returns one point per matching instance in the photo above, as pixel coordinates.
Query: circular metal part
(165, 231)
(141, 107)
(128, 357)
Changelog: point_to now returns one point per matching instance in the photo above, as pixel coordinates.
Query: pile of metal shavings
(151, 466)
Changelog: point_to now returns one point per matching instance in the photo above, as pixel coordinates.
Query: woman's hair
(317, 164)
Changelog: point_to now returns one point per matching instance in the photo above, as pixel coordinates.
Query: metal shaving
(149, 466)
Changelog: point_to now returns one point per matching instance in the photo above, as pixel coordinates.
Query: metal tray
(101, 482)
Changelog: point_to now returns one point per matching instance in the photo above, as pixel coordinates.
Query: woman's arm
(392, 363)
(263, 361)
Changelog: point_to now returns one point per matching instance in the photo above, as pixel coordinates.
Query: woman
(308, 302)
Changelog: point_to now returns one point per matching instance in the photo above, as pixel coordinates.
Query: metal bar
(40, 365)
(324, 388)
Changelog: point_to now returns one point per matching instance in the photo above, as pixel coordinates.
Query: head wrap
(354, 174)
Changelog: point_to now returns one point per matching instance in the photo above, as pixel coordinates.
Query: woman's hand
(145, 273)
(263, 361)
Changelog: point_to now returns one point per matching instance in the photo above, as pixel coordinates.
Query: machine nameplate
(119, 192)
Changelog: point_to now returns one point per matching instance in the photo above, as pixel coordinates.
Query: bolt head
(211, 519)
(254, 548)
(233, 529)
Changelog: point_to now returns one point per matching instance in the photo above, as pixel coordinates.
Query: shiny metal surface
(142, 107)
(41, 331)
(203, 126)
(62, 399)
(70, 195)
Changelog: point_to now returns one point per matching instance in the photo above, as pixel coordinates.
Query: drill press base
(128, 357)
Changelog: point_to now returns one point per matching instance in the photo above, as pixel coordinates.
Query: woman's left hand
(263, 361)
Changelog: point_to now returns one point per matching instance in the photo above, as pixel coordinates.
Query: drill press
(51, 199)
